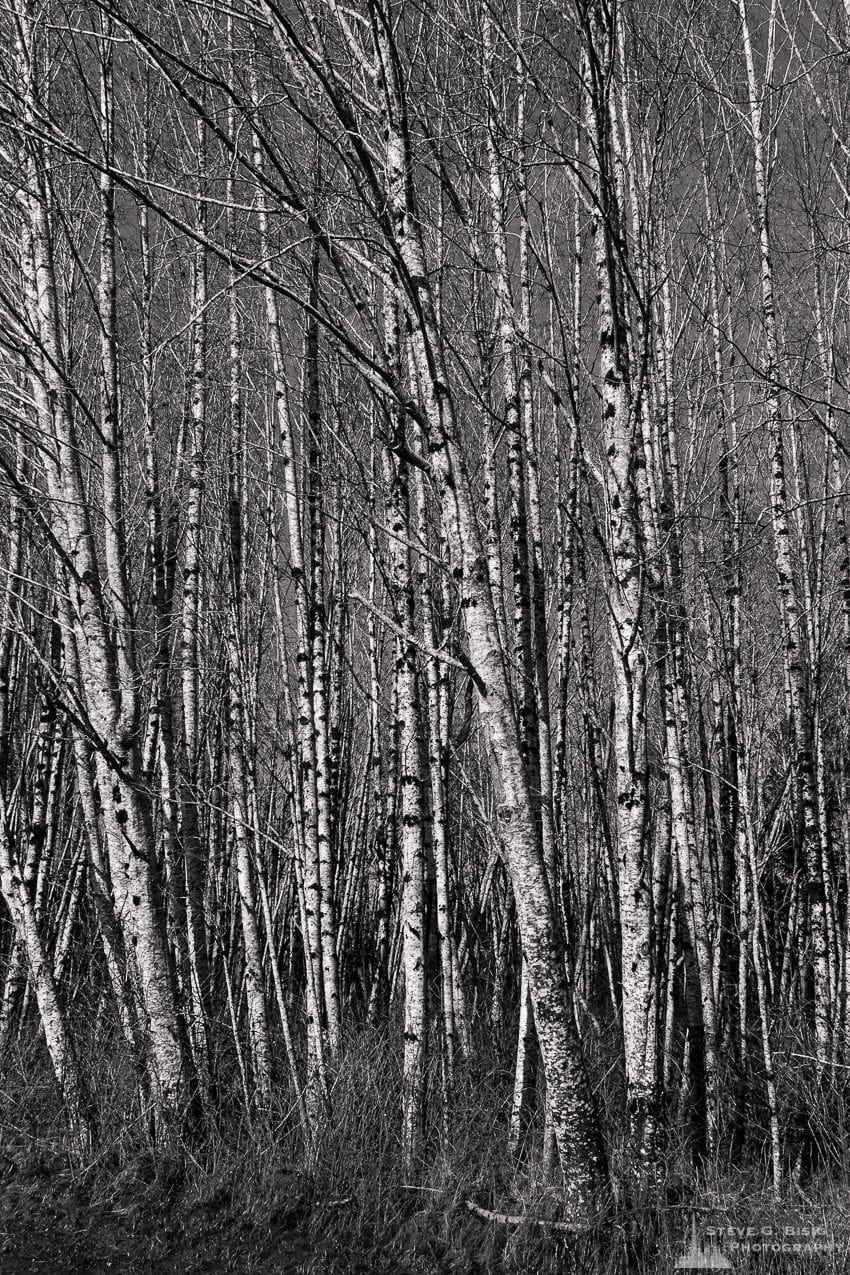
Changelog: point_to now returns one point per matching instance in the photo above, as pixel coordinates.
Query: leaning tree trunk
(99, 609)
(573, 1110)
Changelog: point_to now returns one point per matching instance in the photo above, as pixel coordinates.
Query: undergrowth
(244, 1194)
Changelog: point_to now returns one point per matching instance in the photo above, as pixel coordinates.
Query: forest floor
(151, 1223)
(145, 1226)
(244, 1200)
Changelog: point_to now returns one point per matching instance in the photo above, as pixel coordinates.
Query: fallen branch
(511, 1219)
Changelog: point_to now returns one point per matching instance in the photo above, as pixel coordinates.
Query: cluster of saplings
(425, 597)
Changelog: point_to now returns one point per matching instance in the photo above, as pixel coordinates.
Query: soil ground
(51, 1226)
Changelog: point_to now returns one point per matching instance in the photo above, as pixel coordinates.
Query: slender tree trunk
(795, 664)
(627, 605)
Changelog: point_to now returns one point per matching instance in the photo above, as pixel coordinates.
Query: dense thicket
(425, 592)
